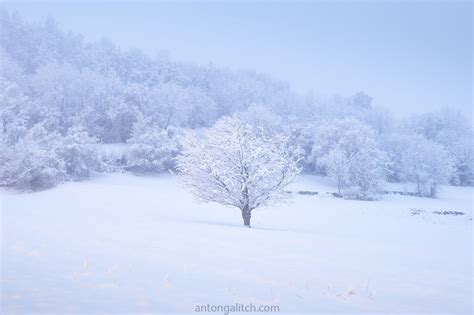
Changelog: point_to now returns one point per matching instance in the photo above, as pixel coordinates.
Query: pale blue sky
(411, 56)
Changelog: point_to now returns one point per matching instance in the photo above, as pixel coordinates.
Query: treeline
(62, 100)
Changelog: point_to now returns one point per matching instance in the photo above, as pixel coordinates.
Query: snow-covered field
(122, 243)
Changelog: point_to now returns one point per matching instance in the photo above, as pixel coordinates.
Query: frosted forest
(71, 109)
(129, 181)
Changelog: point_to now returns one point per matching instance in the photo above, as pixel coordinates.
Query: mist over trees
(65, 102)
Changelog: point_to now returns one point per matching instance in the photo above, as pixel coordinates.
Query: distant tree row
(64, 103)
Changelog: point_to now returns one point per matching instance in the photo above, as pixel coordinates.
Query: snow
(123, 243)
(114, 148)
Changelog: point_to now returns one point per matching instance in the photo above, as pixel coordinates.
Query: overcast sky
(410, 56)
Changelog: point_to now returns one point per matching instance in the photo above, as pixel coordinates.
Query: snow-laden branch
(233, 164)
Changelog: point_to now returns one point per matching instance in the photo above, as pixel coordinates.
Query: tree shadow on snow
(215, 223)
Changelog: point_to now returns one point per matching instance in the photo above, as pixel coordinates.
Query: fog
(410, 57)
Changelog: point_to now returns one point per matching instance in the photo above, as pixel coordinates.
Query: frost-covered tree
(33, 163)
(261, 117)
(337, 166)
(427, 164)
(78, 151)
(13, 112)
(234, 165)
(394, 145)
(42, 159)
(348, 152)
(453, 131)
(152, 148)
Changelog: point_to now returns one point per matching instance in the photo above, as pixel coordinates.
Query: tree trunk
(246, 216)
(418, 187)
(432, 190)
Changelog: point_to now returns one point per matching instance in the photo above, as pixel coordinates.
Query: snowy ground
(122, 243)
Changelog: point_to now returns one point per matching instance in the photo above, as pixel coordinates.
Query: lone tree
(237, 165)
